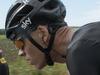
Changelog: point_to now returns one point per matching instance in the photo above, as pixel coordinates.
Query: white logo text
(26, 23)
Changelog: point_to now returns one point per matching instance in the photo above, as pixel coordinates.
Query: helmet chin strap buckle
(49, 61)
(48, 57)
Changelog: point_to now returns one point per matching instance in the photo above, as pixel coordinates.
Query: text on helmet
(26, 23)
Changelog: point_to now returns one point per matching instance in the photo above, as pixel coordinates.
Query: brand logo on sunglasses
(26, 23)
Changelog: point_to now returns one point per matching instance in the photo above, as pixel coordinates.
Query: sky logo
(26, 23)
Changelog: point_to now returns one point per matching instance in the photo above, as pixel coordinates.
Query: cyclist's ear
(43, 32)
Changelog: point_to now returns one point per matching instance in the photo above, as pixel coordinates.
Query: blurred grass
(18, 65)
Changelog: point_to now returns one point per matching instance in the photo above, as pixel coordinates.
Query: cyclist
(39, 31)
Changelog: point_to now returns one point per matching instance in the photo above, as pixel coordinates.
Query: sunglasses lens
(19, 44)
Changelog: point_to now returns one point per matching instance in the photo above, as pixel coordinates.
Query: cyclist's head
(26, 15)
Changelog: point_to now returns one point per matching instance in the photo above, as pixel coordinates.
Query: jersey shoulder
(87, 31)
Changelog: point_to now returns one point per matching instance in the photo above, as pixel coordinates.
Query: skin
(35, 57)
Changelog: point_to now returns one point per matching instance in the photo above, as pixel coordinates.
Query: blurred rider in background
(4, 69)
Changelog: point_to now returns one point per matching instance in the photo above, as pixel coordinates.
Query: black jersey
(83, 57)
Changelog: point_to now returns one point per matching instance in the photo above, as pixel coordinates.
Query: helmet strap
(47, 50)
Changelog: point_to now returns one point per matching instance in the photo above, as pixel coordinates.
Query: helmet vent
(41, 0)
(12, 10)
(25, 11)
